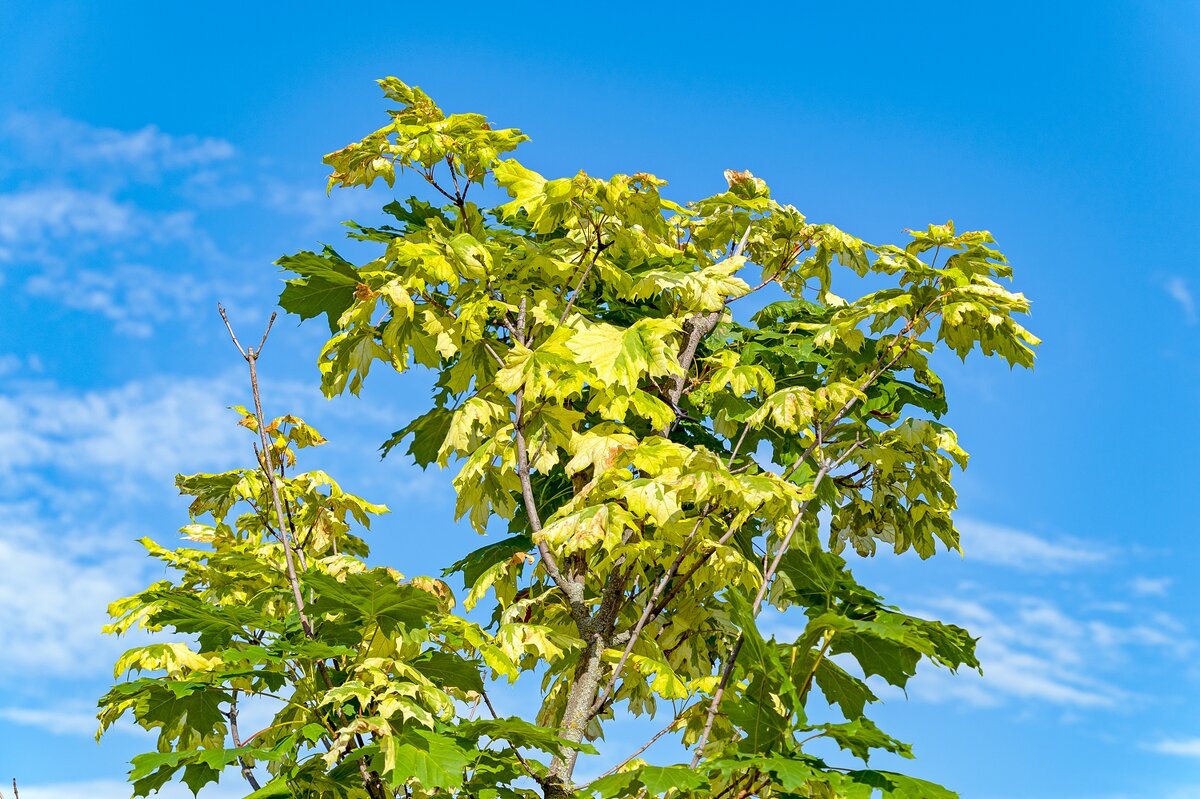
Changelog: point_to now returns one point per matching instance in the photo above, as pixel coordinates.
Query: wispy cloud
(134, 297)
(1179, 290)
(1047, 650)
(118, 437)
(1151, 586)
(1006, 546)
(125, 224)
(82, 232)
(1181, 747)
(12, 364)
(51, 142)
(71, 720)
(53, 599)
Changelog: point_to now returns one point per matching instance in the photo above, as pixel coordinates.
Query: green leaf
(899, 786)
(449, 670)
(432, 760)
(371, 598)
(325, 285)
(521, 733)
(475, 564)
(840, 688)
(861, 736)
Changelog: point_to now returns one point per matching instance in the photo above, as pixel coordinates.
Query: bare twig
(251, 357)
(579, 284)
(520, 758)
(232, 715)
(644, 746)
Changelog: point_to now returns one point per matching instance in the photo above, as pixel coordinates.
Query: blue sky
(155, 160)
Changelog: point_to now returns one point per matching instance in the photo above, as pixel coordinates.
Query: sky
(156, 159)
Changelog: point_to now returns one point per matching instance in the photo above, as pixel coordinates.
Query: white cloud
(81, 232)
(78, 248)
(123, 436)
(74, 721)
(37, 214)
(57, 223)
(983, 542)
(53, 600)
(58, 442)
(1031, 648)
(135, 298)
(1151, 586)
(319, 210)
(12, 364)
(73, 467)
(1181, 747)
(1179, 291)
(69, 145)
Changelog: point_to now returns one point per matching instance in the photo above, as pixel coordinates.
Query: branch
(460, 196)
(647, 613)
(727, 671)
(251, 357)
(867, 383)
(682, 581)
(520, 759)
(572, 590)
(428, 174)
(587, 271)
(791, 257)
(644, 747)
(696, 328)
(238, 743)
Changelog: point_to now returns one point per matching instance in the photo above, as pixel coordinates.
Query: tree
(661, 464)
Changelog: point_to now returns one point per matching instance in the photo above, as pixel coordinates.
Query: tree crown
(660, 463)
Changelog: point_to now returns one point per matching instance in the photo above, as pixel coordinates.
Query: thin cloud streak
(994, 544)
(1179, 291)
(143, 154)
(1180, 747)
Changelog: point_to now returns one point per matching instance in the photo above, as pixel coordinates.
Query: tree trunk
(575, 718)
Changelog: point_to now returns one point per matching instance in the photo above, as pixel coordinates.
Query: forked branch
(251, 356)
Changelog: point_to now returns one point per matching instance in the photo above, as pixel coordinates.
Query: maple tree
(661, 464)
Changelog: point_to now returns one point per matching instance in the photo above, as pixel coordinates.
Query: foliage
(661, 469)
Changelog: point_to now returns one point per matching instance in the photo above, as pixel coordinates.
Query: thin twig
(251, 357)
(644, 747)
(695, 328)
(237, 740)
(428, 174)
(571, 590)
(579, 284)
(726, 673)
(520, 758)
(647, 612)
(727, 670)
